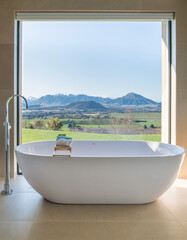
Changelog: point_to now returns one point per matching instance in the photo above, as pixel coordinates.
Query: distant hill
(134, 99)
(131, 99)
(86, 105)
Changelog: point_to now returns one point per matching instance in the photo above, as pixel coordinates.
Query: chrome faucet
(7, 188)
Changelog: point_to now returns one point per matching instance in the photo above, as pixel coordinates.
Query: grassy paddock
(32, 135)
(140, 115)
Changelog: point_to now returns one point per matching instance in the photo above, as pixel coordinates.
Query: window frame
(168, 110)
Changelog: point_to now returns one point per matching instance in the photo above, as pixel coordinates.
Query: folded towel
(63, 140)
(62, 137)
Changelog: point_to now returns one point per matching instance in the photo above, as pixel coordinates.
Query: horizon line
(158, 101)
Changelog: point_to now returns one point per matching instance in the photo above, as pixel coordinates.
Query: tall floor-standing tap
(7, 188)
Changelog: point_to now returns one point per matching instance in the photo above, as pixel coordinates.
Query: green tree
(54, 124)
(38, 123)
(72, 125)
(29, 125)
(25, 122)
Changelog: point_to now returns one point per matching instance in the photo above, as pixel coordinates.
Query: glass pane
(92, 80)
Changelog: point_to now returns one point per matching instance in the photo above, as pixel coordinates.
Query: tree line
(50, 124)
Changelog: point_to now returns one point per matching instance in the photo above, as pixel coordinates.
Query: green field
(114, 120)
(122, 126)
(139, 115)
(126, 121)
(32, 135)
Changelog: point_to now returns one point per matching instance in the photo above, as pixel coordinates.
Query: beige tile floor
(26, 215)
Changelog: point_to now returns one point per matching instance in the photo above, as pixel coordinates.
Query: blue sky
(108, 59)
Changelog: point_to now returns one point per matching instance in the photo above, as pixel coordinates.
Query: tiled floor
(26, 215)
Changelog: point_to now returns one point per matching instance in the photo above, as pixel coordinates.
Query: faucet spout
(7, 188)
(8, 101)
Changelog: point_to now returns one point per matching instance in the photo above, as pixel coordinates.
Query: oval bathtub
(101, 172)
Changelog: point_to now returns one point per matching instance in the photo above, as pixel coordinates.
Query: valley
(89, 119)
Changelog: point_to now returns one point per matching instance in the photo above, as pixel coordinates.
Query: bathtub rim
(183, 151)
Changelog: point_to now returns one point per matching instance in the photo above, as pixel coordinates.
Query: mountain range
(131, 99)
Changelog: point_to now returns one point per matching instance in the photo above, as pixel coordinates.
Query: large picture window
(91, 80)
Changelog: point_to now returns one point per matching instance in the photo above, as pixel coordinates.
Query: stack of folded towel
(62, 140)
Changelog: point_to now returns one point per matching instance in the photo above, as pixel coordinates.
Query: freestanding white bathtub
(101, 172)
